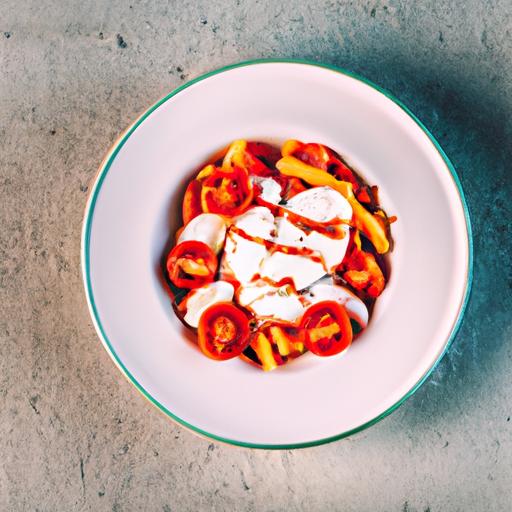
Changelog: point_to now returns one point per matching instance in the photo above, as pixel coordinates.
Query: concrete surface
(74, 435)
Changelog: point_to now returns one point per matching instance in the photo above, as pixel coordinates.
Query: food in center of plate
(280, 252)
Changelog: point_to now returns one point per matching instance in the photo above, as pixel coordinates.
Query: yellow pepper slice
(234, 155)
(285, 344)
(205, 172)
(261, 345)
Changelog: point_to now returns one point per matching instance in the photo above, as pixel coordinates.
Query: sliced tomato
(361, 270)
(227, 192)
(191, 264)
(328, 330)
(292, 187)
(191, 206)
(363, 196)
(257, 158)
(264, 158)
(223, 331)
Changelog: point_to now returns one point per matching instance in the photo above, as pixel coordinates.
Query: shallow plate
(133, 211)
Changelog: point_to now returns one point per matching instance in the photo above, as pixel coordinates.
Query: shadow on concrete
(474, 130)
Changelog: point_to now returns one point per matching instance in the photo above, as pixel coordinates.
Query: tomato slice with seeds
(191, 264)
(191, 206)
(223, 331)
(328, 328)
(361, 270)
(262, 158)
(227, 192)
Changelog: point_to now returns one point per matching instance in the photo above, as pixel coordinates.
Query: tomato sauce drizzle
(331, 228)
(273, 247)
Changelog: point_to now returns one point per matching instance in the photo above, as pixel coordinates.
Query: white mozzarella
(257, 221)
(266, 301)
(208, 228)
(270, 189)
(278, 307)
(242, 257)
(332, 250)
(202, 298)
(252, 291)
(320, 204)
(245, 258)
(301, 269)
(288, 234)
(326, 290)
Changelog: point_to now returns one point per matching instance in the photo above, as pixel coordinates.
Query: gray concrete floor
(74, 435)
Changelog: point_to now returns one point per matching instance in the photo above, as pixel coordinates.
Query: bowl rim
(86, 235)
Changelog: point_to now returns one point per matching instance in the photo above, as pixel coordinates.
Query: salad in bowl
(281, 252)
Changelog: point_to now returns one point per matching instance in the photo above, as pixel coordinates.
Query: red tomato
(292, 187)
(261, 159)
(191, 264)
(328, 328)
(361, 270)
(223, 331)
(227, 192)
(191, 207)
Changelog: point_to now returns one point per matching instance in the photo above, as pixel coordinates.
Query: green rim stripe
(85, 257)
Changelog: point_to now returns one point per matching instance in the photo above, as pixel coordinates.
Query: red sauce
(273, 247)
(331, 228)
(285, 281)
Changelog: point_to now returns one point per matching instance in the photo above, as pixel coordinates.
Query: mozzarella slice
(202, 298)
(278, 307)
(332, 250)
(327, 290)
(270, 189)
(266, 301)
(208, 228)
(257, 221)
(303, 270)
(242, 257)
(320, 204)
(247, 294)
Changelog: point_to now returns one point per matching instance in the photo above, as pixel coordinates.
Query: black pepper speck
(121, 42)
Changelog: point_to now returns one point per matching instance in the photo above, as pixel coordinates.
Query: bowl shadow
(475, 136)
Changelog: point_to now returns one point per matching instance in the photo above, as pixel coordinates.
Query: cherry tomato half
(361, 270)
(191, 264)
(257, 158)
(328, 328)
(223, 331)
(191, 206)
(227, 192)
(261, 159)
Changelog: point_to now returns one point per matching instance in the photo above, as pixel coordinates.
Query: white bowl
(132, 213)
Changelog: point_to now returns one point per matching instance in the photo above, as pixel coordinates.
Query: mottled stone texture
(74, 435)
